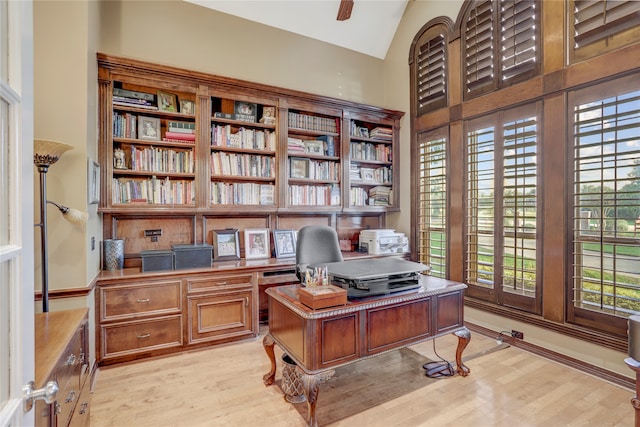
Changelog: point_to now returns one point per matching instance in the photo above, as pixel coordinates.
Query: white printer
(383, 241)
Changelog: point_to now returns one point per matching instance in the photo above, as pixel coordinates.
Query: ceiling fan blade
(344, 11)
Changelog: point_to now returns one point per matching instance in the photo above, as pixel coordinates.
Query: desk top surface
(288, 295)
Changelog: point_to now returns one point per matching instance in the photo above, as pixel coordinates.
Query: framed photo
(93, 187)
(149, 128)
(225, 244)
(256, 243)
(367, 174)
(285, 243)
(187, 107)
(299, 168)
(314, 147)
(245, 111)
(167, 101)
(364, 132)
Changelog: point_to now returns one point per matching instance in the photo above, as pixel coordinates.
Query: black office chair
(316, 244)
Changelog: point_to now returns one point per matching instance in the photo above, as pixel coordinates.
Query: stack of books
(295, 145)
(131, 98)
(380, 196)
(180, 132)
(385, 134)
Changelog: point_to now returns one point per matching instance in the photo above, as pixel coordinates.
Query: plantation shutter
(518, 41)
(431, 75)
(606, 206)
(479, 48)
(432, 204)
(520, 211)
(597, 20)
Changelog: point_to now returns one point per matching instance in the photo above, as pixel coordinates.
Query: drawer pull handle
(143, 300)
(70, 360)
(144, 336)
(70, 397)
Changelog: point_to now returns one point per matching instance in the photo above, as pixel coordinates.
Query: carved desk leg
(464, 336)
(270, 377)
(311, 385)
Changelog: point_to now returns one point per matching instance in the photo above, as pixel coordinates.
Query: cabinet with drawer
(139, 318)
(221, 307)
(61, 350)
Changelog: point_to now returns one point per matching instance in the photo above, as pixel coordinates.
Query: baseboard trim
(596, 371)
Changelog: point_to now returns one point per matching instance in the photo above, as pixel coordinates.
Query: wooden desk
(321, 340)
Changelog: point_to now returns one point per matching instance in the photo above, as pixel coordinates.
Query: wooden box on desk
(324, 296)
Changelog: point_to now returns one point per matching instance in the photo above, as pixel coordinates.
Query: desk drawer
(216, 282)
(121, 302)
(128, 338)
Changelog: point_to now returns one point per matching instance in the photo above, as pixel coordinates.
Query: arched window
(429, 68)
(501, 44)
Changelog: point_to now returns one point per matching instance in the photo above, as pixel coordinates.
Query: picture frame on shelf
(256, 243)
(268, 115)
(187, 107)
(285, 243)
(225, 244)
(299, 168)
(245, 111)
(364, 132)
(167, 102)
(367, 174)
(314, 146)
(93, 186)
(149, 128)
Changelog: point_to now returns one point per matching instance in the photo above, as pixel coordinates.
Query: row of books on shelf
(249, 193)
(370, 151)
(125, 125)
(154, 159)
(300, 168)
(313, 123)
(382, 175)
(223, 136)
(377, 196)
(323, 145)
(234, 164)
(314, 195)
(152, 191)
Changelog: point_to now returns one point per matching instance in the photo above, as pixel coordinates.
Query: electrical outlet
(517, 334)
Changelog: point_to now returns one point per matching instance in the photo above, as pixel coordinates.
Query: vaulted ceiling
(369, 29)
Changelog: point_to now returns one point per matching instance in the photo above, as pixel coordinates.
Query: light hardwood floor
(222, 386)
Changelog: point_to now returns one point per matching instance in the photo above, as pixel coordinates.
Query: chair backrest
(316, 244)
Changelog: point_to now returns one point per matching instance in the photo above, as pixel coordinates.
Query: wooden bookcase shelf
(225, 153)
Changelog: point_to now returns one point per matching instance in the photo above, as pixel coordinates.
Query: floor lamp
(46, 153)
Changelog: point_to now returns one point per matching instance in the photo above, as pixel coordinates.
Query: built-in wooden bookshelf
(314, 168)
(243, 160)
(188, 152)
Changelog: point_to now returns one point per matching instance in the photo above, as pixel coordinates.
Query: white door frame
(16, 178)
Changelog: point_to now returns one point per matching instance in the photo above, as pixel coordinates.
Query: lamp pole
(42, 169)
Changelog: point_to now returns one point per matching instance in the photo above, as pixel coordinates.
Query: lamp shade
(46, 153)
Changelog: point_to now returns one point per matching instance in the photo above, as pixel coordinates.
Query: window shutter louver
(432, 211)
(431, 74)
(518, 44)
(479, 48)
(605, 199)
(597, 20)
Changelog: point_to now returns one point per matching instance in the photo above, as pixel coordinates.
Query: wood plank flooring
(222, 386)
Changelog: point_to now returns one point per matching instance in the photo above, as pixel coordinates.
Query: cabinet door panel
(402, 324)
(220, 316)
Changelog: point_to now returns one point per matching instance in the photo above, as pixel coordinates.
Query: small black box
(192, 256)
(153, 260)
